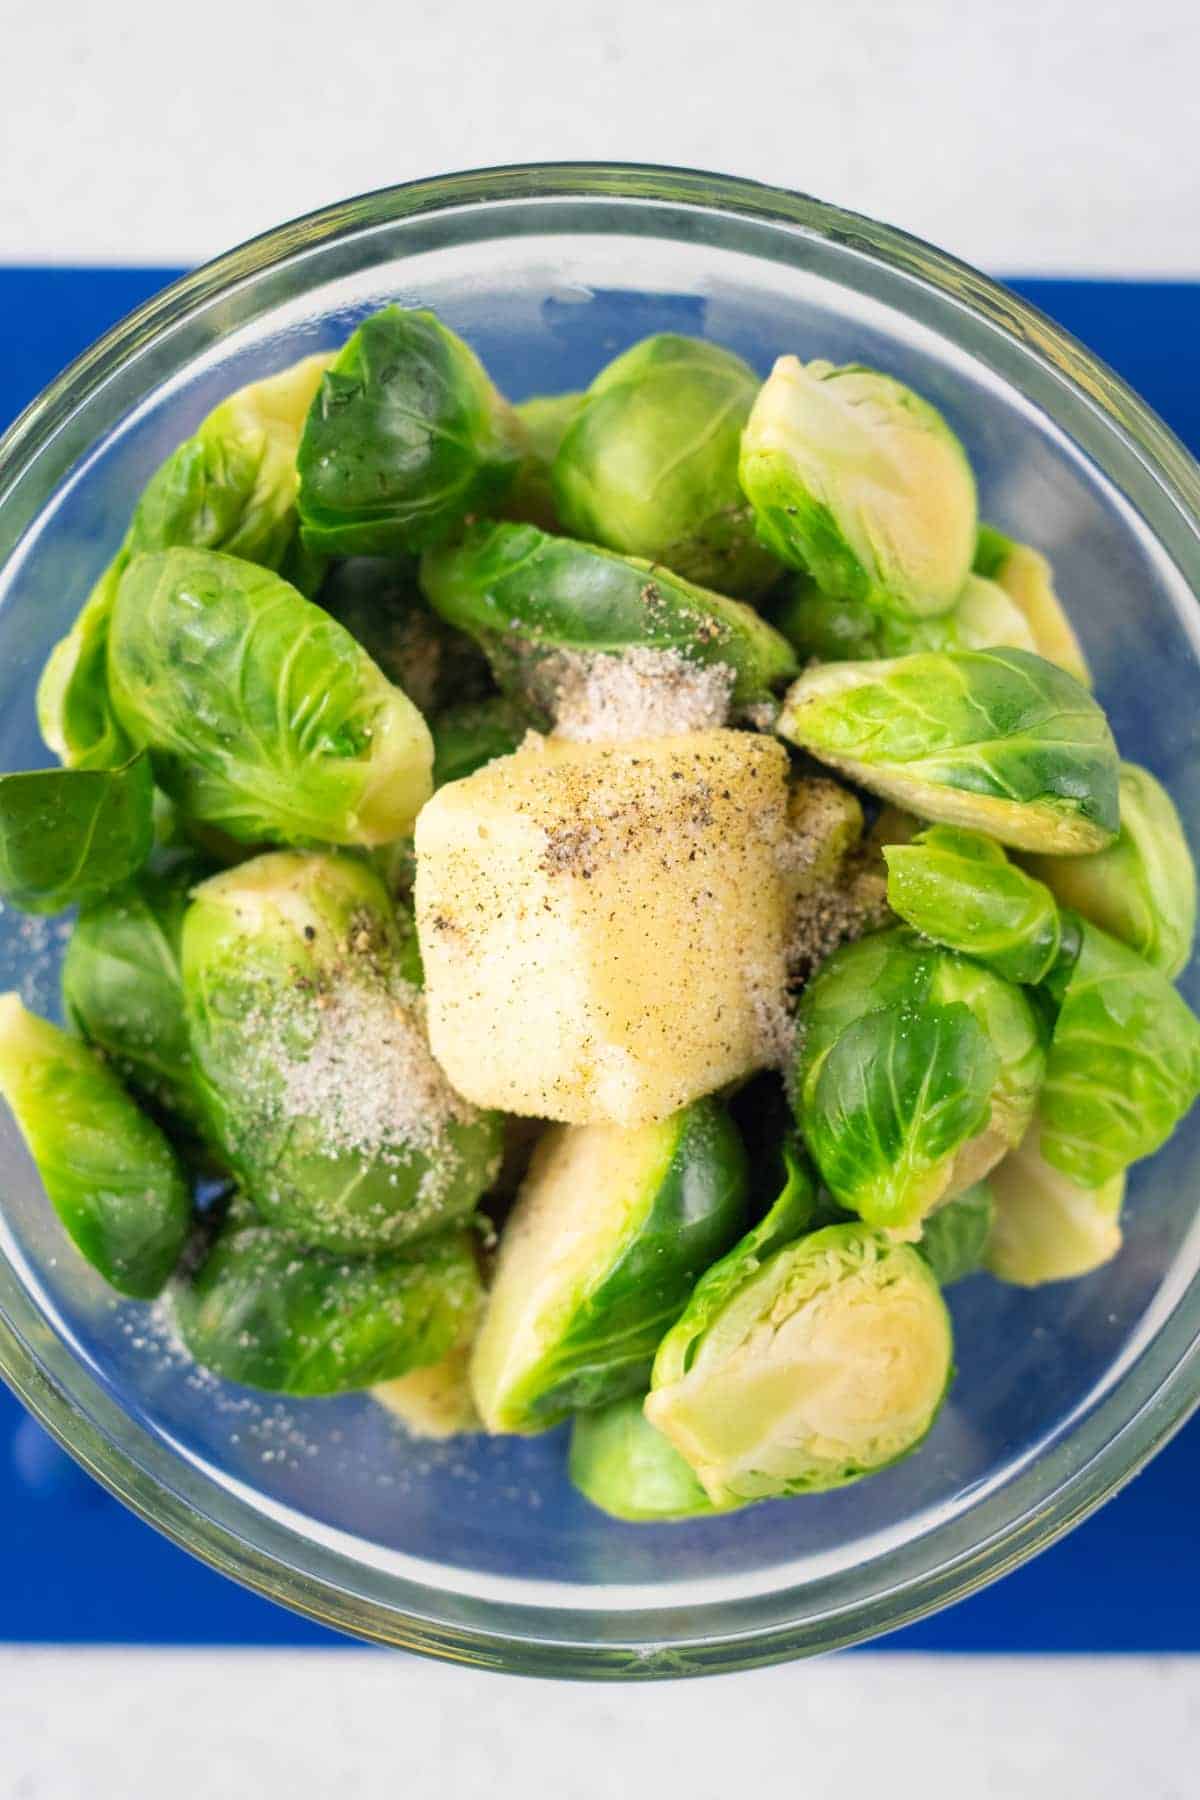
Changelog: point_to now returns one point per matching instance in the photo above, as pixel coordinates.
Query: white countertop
(1030, 137)
(221, 1725)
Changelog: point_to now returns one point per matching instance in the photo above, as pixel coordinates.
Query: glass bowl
(479, 1550)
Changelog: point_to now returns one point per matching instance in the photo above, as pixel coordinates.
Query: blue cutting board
(75, 1567)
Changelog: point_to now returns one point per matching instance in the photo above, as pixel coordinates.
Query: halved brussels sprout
(1047, 1227)
(261, 713)
(260, 1312)
(649, 463)
(75, 716)
(610, 1231)
(995, 740)
(834, 880)
(824, 825)
(312, 1060)
(1142, 889)
(378, 600)
(982, 618)
(109, 1172)
(629, 1470)
(827, 1362)
(405, 437)
(1027, 578)
(959, 888)
(1124, 1062)
(232, 486)
(68, 836)
(434, 1401)
(123, 988)
(528, 598)
(916, 1071)
(468, 736)
(954, 1239)
(544, 419)
(860, 482)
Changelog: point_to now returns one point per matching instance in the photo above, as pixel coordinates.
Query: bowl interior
(547, 294)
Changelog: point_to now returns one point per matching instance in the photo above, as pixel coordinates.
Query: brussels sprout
(69, 835)
(468, 736)
(826, 1362)
(649, 463)
(982, 618)
(123, 990)
(610, 1230)
(230, 487)
(109, 1172)
(960, 889)
(916, 1071)
(954, 1239)
(262, 715)
(543, 419)
(312, 1061)
(434, 1401)
(1124, 1061)
(1027, 578)
(861, 483)
(405, 437)
(629, 1470)
(1047, 1227)
(996, 740)
(379, 602)
(528, 597)
(824, 825)
(75, 717)
(1142, 889)
(260, 1312)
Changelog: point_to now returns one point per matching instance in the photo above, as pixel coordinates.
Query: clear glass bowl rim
(1104, 1449)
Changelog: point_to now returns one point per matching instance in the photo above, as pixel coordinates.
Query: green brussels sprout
(379, 602)
(629, 1470)
(649, 463)
(405, 438)
(824, 826)
(312, 1061)
(232, 487)
(468, 736)
(1142, 889)
(860, 482)
(916, 1071)
(122, 986)
(996, 740)
(69, 835)
(1028, 580)
(1123, 1066)
(434, 1401)
(74, 714)
(611, 1228)
(108, 1171)
(1047, 1227)
(827, 1361)
(262, 715)
(982, 618)
(954, 1239)
(543, 419)
(260, 1312)
(528, 598)
(959, 888)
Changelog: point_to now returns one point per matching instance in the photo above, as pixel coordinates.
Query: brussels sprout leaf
(68, 836)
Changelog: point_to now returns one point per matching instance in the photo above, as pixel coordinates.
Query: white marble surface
(107, 1725)
(1033, 136)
